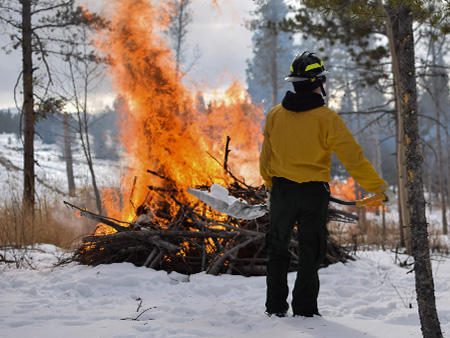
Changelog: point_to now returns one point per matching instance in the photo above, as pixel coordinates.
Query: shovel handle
(337, 200)
(373, 201)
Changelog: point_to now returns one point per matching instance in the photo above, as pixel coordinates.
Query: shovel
(219, 199)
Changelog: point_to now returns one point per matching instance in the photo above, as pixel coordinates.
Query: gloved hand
(390, 197)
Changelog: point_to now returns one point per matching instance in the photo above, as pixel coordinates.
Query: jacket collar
(299, 102)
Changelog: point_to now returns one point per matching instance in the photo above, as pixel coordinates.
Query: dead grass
(53, 224)
(56, 224)
(437, 242)
(370, 235)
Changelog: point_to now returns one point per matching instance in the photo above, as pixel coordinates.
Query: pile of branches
(194, 238)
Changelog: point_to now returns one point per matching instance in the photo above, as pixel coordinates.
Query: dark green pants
(306, 204)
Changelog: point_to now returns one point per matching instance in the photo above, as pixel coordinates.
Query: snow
(51, 168)
(369, 297)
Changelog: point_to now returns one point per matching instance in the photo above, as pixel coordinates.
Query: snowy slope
(50, 167)
(366, 298)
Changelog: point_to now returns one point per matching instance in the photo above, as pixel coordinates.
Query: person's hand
(390, 197)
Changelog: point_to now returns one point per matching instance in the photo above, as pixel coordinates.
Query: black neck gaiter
(302, 101)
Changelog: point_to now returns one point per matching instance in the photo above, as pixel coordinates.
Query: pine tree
(180, 16)
(273, 50)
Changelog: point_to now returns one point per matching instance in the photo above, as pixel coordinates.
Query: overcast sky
(223, 42)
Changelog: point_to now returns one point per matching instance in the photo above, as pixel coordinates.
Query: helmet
(308, 69)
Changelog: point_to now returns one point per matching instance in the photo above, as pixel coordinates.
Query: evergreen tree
(180, 17)
(273, 50)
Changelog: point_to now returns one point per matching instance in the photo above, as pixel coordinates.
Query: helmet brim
(296, 78)
(293, 78)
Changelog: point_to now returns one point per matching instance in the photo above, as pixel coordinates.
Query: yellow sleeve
(264, 158)
(350, 153)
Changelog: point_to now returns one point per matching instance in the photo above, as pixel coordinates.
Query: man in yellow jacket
(299, 136)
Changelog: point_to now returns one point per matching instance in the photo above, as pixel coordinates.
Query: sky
(223, 41)
(223, 44)
(10, 66)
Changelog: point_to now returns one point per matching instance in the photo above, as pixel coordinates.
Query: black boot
(278, 314)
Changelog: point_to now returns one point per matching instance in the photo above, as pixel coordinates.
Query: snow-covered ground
(369, 297)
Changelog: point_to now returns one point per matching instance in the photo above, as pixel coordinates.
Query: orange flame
(344, 189)
(162, 127)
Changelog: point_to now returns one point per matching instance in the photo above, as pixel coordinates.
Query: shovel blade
(219, 200)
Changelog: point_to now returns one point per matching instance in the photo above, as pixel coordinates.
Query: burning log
(194, 238)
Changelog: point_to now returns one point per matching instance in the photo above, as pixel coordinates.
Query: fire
(344, 189)
(162, 127)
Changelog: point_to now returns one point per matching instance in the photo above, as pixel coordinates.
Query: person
(299, 136)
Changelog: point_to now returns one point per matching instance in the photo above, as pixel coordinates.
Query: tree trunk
(441, 173)
(274, 71)
(180, 14)
(362, 219)
(447, 142)
(447, 145)
(401, 184)
(98, 199)
(401, 38)
(68, 155)
(379, 169)
(28, 113)
(87, 144)
(430, 195)
(436, 89)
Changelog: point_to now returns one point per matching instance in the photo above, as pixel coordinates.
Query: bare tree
(68, 153)
(180, 16)
(84, 73)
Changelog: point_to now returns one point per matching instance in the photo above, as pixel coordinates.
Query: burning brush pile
(152, 221)
(194, 238)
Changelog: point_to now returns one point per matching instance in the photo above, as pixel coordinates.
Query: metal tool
(219, 199)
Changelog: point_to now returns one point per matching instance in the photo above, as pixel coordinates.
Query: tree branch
(11, 22)
(51, 7)
(378, 111)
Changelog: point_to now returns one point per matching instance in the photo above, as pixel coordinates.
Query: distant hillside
(103, 130)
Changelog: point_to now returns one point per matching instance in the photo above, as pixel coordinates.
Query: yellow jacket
(298, 146)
